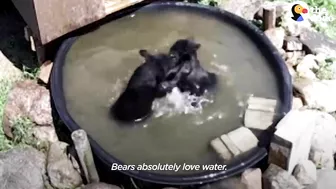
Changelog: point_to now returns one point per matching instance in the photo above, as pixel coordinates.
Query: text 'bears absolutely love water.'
(168, 167)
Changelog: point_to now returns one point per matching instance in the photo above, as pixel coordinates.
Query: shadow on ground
(12, 41)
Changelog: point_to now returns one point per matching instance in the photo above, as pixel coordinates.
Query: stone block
(252, 178)
(230, 145)
(243, 138)
(259, 113)
(45, 71)
(256, 119)
(305, 173)
(292, 140)
(292, 44)
(297, 103)
(276, 178)
(219, 147)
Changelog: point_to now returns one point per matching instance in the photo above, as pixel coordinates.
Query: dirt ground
(12, 42)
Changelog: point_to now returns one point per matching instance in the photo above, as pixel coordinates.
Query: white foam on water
(176, 103)
(220, 68)
(215, 115)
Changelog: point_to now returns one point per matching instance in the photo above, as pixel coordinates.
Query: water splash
(176, 103)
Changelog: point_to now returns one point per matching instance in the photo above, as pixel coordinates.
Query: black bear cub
(135, 103)
(159, 75)
(194, 78)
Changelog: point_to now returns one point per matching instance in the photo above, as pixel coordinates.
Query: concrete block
(252, 178)
(264, 104)
(276, 178)
(219, 147)
(292, 44)
(243, 138)
(259, 113)
(230, 145)
(256, 119)
(292, 140)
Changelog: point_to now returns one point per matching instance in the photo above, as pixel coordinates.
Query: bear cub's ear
(197, 46)
(192, 43)
(144, 53)
(190, 38)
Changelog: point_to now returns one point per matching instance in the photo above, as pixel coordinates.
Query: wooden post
(83, 149)
(269, 17)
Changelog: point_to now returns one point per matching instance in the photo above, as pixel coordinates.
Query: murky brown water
(99, 64)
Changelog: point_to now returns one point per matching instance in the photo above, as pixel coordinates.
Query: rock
(229, 183)
(322, 158)
(243, 139)
(244, 8)
(326, 179)
(27, 99)
(7, 70)
(276, 36)
(307, 63)
(292, 44)
(282, 53)
(276, 178)
(291, 71)
(281, 8)
(292, 139)
(45, 71)
(252, 178)
(264, 104)
(60, 169)
(100, 185)
(220, 148)
(259, 113)
(230, 145)
(45, 133)
(317, 94)
(318, 42)
(22, 168)
(306, 67)
(305, 173)
(324, 141)
(291, 27)
(292, 58)
(297, 103)
(308, 74)
(320, 57)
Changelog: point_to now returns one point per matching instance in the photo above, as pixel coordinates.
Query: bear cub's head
(184, 49)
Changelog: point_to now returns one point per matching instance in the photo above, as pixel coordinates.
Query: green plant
(326, 70)
(205, 2)
(258, 23)
(30, 73)
(330, 5)
(5, 86)
(22, 126)
(23, 134)
(326, 28)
